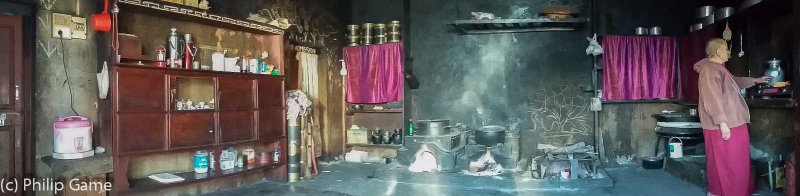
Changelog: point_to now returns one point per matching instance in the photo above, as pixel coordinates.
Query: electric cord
(64, 62)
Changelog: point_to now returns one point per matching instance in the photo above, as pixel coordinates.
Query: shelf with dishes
(196, 15)
(518, 25)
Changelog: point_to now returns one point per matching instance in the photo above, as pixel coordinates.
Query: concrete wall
(51, 94)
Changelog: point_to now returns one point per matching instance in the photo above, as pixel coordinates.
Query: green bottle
(410, 128)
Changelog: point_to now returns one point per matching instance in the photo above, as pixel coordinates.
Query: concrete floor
(390, 179)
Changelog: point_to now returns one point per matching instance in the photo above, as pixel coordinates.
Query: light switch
(78, 28)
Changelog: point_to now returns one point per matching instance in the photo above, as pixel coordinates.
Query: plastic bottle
(410, 127)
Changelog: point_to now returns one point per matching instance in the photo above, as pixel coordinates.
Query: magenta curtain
(692, 49)
(639, 67)
(374, 73)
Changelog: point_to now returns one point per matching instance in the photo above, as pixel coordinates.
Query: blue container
(201, 162)
(774, 71)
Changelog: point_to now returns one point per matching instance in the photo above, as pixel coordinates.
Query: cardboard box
(357, 136)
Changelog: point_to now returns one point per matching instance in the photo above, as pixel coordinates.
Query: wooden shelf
(772, 103)
(518, 25)
(194, 70)
(395, 111)
(144, 184)
(192, 14)
(395, 146)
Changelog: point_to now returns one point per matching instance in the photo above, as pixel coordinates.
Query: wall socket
(62, 22)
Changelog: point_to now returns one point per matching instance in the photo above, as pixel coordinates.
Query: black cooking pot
(651, 162)
(676, 117)
(490, 135)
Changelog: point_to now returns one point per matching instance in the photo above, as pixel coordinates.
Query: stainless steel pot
(655, 31)
(704, 11)
(490, 135)
(723, 13)
(433, 127)
(695, 27)
(708, 20)
(640, 31)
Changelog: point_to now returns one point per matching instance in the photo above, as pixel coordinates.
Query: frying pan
(102, 21)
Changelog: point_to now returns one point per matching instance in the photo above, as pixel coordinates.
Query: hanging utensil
(727, 34)
(741, 44)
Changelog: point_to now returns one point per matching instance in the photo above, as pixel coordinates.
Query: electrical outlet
(62, 22)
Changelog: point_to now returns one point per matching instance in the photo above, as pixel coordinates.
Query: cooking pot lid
(492, 128)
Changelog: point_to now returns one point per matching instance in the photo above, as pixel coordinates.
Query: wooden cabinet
(236, 94)
(271, 123)
(140, 132)
(147, 120)
(266, 93)
(236, 126)
(191, 129)
(142, 90)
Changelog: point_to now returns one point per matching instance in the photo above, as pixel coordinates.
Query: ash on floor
(393, 179)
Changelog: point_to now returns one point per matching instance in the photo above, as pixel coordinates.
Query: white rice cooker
(72, 138)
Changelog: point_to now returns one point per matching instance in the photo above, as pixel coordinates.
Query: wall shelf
(518, 25)
(144, 184)
(191, 14)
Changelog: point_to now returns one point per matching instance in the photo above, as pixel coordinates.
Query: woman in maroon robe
(724, 117)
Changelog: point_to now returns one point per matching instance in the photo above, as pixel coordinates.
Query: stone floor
(392, 179)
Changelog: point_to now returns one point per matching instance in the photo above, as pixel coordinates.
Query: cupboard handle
(16, 92)
(210, 131)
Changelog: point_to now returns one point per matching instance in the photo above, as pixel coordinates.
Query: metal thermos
(189, 51)
(174, 50)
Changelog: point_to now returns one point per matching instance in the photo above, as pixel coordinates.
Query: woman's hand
(763, 79)
(726, 132)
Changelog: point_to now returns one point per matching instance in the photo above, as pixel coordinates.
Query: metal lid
(774, 61)
(492, 128)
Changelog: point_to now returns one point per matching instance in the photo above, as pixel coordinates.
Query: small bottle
(211, 160)
(410, 127)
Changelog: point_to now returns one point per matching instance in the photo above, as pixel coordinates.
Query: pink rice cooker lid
(72, 122)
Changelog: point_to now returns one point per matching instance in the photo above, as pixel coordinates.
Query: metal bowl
(708, 20)
(640, 31)
(723, 13)
(695, 27)
(704, 11)
(655, 31)
(357, 106)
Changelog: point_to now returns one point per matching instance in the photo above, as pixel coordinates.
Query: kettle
(774, 71)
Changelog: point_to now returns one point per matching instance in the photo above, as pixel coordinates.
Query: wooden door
(12, 105)
(236, 126)
(236, 94)
(191, 129)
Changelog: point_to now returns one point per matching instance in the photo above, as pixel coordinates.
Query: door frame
(24, 157)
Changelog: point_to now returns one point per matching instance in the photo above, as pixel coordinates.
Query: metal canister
(394, 31)
(352, 35)
(366, 34)
(379, 33)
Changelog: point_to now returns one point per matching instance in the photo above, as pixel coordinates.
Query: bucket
(675, 148)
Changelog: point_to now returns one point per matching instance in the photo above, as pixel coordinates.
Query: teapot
(774, 71)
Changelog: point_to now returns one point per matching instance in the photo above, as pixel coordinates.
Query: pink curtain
(374, 73)
(692, 49)
(639, 67)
